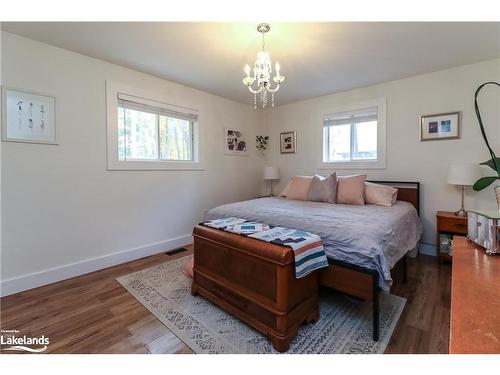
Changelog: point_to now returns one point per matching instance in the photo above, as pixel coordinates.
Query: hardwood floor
(94, 314)
(424, 326)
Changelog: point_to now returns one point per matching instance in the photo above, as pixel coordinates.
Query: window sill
(376, 164)
(154, 166)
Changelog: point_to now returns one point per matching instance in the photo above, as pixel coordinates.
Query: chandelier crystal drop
(259, 83)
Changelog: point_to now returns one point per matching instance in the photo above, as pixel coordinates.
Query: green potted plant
(494, 162)
(262, 142)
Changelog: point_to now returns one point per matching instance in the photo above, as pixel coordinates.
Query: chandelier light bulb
(247, 70)
(277, 67)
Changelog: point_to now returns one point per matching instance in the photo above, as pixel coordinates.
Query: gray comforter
(370, 236)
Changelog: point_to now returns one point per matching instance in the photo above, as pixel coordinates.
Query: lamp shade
(463, 174)
(271, 173)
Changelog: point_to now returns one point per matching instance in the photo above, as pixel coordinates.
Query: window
(350, 136)
(152, 133)
(355, 138)
(147, 134)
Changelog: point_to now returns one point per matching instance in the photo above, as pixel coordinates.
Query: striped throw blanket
(307, 247)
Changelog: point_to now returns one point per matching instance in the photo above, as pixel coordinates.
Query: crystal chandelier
(262, 72)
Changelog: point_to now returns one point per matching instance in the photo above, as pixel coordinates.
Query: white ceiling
(316, 58)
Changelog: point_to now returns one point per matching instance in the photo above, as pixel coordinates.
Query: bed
(362, 243)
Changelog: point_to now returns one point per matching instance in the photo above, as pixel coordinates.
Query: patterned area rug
(345, 325)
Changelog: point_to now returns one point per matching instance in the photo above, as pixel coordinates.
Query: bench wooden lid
(276, 253)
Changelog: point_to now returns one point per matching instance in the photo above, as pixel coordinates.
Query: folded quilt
(247, 228)
(307, 248)
(309, 254)
(223, 223)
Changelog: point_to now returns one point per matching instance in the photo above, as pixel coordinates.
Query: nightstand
(447, 223)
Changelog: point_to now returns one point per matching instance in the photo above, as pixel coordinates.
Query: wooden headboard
(407, 191)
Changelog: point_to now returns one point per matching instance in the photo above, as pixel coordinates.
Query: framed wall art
(235, 142)
(440, 126)
(288, 142)
(28, 117)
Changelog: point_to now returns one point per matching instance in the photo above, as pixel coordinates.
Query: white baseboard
(427, 249)
(52, 275)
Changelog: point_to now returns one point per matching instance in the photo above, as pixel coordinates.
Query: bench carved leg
(280, 344)
(313, 317)
(194, 290)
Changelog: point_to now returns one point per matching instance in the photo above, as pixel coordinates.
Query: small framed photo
(235, 142)
(28, 117)
(440, 126)
(288, 142)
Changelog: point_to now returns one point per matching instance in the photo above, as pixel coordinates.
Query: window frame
(151, 99)
(380, 161)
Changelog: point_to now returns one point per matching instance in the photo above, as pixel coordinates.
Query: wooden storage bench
(255, 281)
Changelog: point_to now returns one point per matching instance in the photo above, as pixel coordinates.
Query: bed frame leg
(376, 308)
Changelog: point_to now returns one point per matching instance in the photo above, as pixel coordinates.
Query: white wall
(62, 207)
(407, 157)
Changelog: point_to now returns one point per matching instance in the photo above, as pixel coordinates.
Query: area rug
(345, 325)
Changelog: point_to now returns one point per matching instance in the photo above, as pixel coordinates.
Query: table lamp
(463, 175)
(271, 173)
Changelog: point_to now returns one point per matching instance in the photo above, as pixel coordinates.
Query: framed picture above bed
(288, 142)
(440, 126)
(235, 142)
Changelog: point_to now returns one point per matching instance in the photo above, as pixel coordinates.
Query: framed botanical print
(288, 142)
(235, 142)
(28, 117)
(440, 126)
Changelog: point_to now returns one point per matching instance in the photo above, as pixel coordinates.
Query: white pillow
(382, 195)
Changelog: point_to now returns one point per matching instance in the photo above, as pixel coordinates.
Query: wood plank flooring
(94, 314)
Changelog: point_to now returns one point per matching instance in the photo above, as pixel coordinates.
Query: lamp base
(461, 213)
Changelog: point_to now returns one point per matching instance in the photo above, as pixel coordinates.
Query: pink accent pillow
(187, 269)
(351, 189)
(284, 193)
(382, 195)
(299, 187)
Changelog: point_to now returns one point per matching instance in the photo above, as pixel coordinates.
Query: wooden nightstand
(448, 223)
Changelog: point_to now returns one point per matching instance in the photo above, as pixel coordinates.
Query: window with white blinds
(151, 131)
(351, 136)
